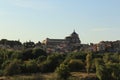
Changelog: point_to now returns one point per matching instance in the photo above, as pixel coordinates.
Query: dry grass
(46, 76)
(82, 74)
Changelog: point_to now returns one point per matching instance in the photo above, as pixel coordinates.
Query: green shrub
(13, 68)
(38, 52)
(63, 71)
(45, 67)
(1, 72)
(53, 61)
(76, 65)
(30, 66)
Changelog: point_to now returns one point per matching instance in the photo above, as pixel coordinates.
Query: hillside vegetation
(36, 64)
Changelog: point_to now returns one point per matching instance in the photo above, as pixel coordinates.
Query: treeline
(17, 45)
(106, 66)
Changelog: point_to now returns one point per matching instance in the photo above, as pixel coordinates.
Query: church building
(68, 44)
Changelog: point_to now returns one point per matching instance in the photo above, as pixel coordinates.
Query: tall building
(70, 43)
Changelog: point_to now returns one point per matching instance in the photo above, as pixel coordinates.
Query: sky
(36, 20)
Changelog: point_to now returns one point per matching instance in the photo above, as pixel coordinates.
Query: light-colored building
(70, 43)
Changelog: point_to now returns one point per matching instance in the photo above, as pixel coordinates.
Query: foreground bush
(76, 65)
(13, 68)
(29, 67)
(63, 71)
(53, 61)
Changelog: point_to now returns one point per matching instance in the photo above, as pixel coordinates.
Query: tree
(63, 71)
(53, 61)
(88, 62)
(114, 70)
(27, 54)
(30, 66)
(76, 65)
(77, 55)
(106, 57)
(45, 67)
(41, 59)
(17, 55)
(29, 44)
(13, 68)
(38, 52)
(102, 72)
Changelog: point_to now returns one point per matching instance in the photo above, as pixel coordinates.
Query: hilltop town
(71, 43)
(59, 59)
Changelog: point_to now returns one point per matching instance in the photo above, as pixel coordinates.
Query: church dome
(74, 34)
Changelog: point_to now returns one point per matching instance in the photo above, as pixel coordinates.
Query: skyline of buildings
(70, 43)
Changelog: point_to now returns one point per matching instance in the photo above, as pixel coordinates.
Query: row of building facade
(106, 46)
(68, 44)
(73, 43)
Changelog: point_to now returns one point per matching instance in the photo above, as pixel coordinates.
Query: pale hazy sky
(35, 20)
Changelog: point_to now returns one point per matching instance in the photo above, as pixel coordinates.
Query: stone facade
(105, 46)
(70, 43)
